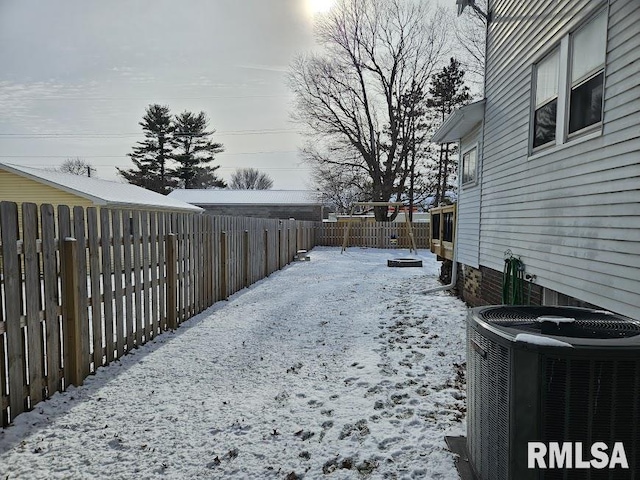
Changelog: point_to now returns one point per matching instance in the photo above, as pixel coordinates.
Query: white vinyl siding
(571, 212)
(468, 235)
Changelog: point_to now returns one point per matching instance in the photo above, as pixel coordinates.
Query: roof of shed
(248, 197)
(99, 191)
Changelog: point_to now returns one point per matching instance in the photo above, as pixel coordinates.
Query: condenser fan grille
(566, 322)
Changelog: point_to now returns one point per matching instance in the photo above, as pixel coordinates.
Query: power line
(211, 97)
(266, 131)
(219, 167)
(266, 152)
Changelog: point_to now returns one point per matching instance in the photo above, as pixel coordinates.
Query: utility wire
(273, 131)
(123, 156)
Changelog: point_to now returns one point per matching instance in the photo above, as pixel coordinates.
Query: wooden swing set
(345, 240)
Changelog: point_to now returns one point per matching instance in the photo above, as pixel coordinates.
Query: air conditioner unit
(550, 374)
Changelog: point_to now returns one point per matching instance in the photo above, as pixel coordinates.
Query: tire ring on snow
(404, 262)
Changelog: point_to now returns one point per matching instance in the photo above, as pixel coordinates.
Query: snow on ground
(336, 368)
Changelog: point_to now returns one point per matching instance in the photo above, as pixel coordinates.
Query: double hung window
(569, 86)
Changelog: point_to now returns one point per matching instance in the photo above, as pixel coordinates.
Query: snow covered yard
(335, 368)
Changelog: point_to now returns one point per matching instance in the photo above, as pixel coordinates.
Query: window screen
(544, 122)
(588, 49)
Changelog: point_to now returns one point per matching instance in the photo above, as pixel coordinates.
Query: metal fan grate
(586, 323)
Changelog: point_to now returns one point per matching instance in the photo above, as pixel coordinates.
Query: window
(568, 86)
(545, 115)
(588, 47)
(469, 166)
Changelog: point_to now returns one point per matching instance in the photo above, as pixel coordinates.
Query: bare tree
(250, 179)
(77, 166)
(352, 96)
(470, 30)
(340, 187)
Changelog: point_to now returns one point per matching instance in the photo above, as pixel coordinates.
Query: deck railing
(443, 222)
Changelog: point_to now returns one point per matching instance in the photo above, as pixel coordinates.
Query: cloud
(266, 68)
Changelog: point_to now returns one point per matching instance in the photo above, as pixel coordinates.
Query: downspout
(454, 260)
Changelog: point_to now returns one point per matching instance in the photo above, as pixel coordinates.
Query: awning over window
(460, 123)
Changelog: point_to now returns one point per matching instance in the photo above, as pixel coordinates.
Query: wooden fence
(80, 288)
(374, 234)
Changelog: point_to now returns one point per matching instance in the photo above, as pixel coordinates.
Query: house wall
(468, 235)
(572, 212)
(284, 212)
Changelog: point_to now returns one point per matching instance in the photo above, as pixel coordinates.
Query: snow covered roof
(101, 192)
(460, 123)
(248, 197)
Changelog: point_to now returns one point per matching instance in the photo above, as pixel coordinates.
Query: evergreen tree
(447, 92)
(151, 156)
(205, 177)
(415, 129)
(194, 151)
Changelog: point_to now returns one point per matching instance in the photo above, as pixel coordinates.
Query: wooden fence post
(224, 266)
(279, 244)
(72, 317)
(172, 281)
(245, 258)
(266, 253)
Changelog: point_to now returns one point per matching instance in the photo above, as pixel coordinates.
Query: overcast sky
(77, 75)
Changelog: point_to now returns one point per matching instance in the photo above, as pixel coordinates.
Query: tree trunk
(438, 196)
(445, 172)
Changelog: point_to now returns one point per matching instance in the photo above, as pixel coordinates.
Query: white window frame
(474, 181)
(559, 98)
(571, 85)
(565, 86)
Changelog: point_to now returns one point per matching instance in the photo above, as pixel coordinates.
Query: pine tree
(447, 92)
(414, 129)
(194, 151)
(151, 156)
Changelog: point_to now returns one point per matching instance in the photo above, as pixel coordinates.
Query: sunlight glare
(319, 6)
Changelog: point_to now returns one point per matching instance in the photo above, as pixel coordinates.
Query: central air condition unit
(550, 374)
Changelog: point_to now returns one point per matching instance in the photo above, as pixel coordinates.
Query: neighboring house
(283, 204)
(27, 184)
(550, 167)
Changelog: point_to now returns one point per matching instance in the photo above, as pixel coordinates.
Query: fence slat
(82, 291)
(107, 283)
(137, 271)
(94, 275)
(127, 243)
(118, 288)
(72, 316)
(153, 252)
(162, 259)
(145, 275)
(51, 300)
(12, 298)
(224, 263)
(172, 281)
(32, 292)
(179, 219)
